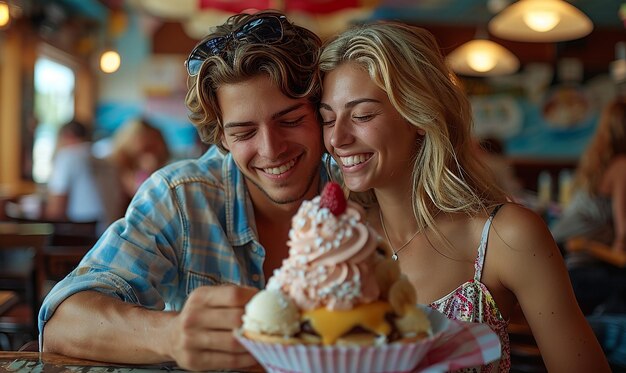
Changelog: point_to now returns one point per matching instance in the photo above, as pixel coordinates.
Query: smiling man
(147, 292)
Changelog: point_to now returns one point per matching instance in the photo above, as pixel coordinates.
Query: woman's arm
(530, 266)
(617, 185)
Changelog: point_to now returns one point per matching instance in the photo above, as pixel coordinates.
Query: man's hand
(94, 326)
(201, 334)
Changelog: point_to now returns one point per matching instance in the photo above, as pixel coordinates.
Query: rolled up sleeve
(136, 259)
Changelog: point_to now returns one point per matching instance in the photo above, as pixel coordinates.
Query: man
(72, 190)
(221, 219)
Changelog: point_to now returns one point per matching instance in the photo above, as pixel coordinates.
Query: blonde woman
(398, 124)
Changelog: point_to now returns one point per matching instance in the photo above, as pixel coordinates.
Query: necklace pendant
(394, 257)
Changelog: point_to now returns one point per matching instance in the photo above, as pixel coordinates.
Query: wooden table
(65, 232)
(8, 299)
(26, 362)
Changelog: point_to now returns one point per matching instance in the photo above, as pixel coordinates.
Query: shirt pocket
(195, 280)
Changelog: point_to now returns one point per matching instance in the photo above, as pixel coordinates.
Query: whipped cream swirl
(331, 259)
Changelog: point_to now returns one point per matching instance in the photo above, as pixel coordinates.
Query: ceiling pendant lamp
(5, 14)
(171, 10)
(110, 61)
(482, 57)
(324, 17)
(540, 21)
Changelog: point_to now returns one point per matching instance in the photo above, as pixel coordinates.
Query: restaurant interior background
(544, 111)
(541, 100)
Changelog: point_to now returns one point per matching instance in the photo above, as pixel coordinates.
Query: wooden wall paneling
(10, 116)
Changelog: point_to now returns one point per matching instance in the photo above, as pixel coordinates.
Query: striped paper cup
(391, 358)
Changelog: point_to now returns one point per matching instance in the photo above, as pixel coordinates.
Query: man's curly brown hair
(291, 64)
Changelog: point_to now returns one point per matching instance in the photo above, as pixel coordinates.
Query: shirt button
(256, 277)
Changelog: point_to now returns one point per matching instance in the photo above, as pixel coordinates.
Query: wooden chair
(61, 260)
(74, 233)
(7, 301)
(65, 232)
(22, 271)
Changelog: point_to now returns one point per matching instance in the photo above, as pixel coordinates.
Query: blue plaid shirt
(191, 224)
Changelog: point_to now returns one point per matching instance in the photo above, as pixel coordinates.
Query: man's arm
(59, 186)
(98, 327)
(56, 205)
(108, 308)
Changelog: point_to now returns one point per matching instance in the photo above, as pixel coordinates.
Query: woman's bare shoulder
(523, 246)
(519, 226)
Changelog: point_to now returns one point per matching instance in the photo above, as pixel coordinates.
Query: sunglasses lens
(262, 30)
(266, 30)
(213, 46)
(202, 52)
(194, 65)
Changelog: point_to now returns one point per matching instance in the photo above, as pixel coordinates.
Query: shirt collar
(240, 226)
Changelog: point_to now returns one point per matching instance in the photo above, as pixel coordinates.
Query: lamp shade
(540, 21)
(199, 25)
(324, 17)
(5, 14)
(179, 9)
(481, 57)
(110, 61)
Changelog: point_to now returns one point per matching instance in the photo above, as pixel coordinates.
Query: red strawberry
(333, 199)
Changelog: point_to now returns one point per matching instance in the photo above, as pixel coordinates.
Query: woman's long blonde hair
(608, 142)
(405, 62)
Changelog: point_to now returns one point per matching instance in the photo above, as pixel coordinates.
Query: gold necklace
(394, 256)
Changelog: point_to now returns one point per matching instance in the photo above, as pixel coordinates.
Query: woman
(598, 209)
(398, 124)
(139, 149)
(598, 212)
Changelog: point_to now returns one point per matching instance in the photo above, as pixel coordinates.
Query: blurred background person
(597, 211)
(491, 152)
(139, 149)
(72, 192)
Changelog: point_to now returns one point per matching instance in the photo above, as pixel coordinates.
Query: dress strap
(482, 248)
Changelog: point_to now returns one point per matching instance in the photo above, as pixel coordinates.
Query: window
(53, 106)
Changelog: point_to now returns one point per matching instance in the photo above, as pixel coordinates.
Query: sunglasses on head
(265, 30)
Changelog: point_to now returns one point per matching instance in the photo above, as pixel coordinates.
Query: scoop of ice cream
(413, 323)
(387, 272)
(331, 259)
(402, 295)
(271, 312)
